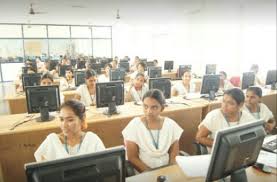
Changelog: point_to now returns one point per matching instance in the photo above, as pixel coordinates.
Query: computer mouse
(161, 178)
(262, 167)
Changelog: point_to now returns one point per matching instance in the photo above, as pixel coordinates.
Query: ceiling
(97, 12)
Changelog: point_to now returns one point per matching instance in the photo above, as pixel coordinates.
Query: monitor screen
(104, 166)
(24, 69)
(79, 77)
(154, 72)
(108, 92)
(124, 66)
(63, 68)
(43, 99)
(210, 69)
(248, 79)
(105, 61)
(210, 85)
(116, 75)
(32, 79)
(271, 77)
(234, 149)
(150, 64)
(81, 64)
(168, 65)
(96, 67)
(182, 69)
(163, 84)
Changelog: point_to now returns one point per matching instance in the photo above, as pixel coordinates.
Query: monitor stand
(44, 115)
(273, 86)
(239, 175)
(212, 95)
(111, 109)
(169, 70)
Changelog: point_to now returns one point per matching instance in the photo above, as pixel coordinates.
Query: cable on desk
(29, 118)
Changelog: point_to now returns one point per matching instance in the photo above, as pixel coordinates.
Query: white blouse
(137, 132)
(64, 85)
(137, 95)
(264, 114)
(181, 90)
(86, 98)
(52, 148)
(103, 78)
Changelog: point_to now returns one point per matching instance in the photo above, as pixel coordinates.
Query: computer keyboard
(270, 146)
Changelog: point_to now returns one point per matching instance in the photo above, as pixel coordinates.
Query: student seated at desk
(230, 114)
(134, 65)
(152, 140)
(86, 93)
(106, 76)
(137, 89)
(185, 86)
(67, 82)
(46, 79)
(258, 81)
(254, 106)
(224, 83)
(72, 140)
(140, 69)
(114, 64)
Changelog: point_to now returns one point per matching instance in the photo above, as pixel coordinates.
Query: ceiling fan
(33, 12)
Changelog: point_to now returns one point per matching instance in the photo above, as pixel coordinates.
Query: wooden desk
(175, 174)
(18, 146)
(172, 75)
(270, 99)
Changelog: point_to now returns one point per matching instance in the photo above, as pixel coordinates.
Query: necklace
(66, 146)
(155, 143)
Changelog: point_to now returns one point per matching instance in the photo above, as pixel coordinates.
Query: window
(58, 32)
(11, 50)
(101, 32)
(102, 48)
(10, 31)
(34, 31)
(80, 32)
(81, 47)
(59, 47)
(36, 47)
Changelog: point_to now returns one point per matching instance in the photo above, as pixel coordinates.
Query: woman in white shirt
(86, 93)
(258, 110)
(152, 140)
(67, 82)
(230, 114)
(72, 140)
(137, 89)
(185, 86)
(106, 76)
(140, 69)
(224, 83)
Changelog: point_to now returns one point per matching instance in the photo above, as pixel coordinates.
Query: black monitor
(168, 65)
(248, 80)
(62, 69)
(154, 72)
(104, 166)
(32, 79)
(116, 75)
(182, 69)
(210, 85)
(110, 94)
(124, 66)
(103, 62)
(210, 69)
(150, 64)
(25, 69)
(235, 149)
(81, 64)
(79, 77)
(271, 79)
(97, 67)
(73, 62)
(53, 64)
(124, 60)
(163, 84)
(43, 99)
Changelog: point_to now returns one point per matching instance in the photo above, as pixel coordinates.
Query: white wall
(233, 34)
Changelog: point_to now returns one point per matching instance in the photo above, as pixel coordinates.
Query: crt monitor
(116, 75)
(104, 166)
(24, 69)
(62, 69)
(79, 77)
(103, 62)
(124, 66)
(73, 62)
(110, 94)
(168, 65)
(163, 84)
(271, 79)
(210, 69)
(97, 67)
(154, 72)
(32, 79)
(248, 80)
(235, 149)
(43, 99)
(182, 69)
(150, 64)
(81, 64)
(210, 85)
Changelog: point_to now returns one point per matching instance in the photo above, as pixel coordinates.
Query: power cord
(27, 119)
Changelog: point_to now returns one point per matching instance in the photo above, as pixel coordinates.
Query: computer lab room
(138, 91)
